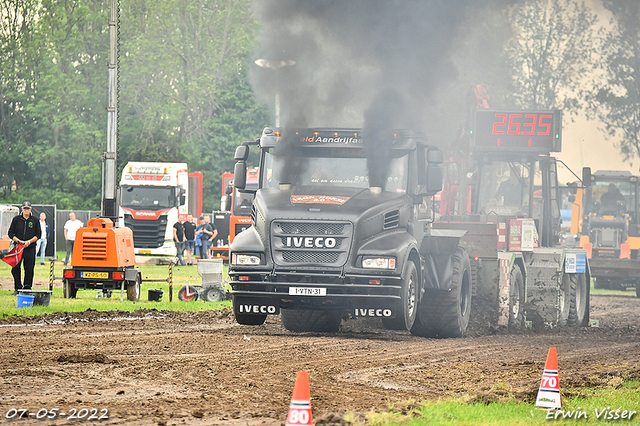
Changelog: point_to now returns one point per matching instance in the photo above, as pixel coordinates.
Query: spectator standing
(212, 237)
(41, 245)
(204, 232)
(70, 229)
(190, 238)
(24, 229)
(178, 238)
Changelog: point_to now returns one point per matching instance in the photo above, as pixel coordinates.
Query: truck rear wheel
(68, 289)
(133, 289)
(406, 316)
(446, 313)
(516, 298)
(573, 300)
(301, 320)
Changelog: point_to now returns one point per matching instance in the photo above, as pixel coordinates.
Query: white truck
(152, 195)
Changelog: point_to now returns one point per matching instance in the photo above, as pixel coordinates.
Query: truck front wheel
(406, 316)
(301, 320)
(446, 313)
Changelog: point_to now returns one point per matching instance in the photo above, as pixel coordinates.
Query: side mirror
(240, 173)
(434, 179)
(586, 176)
(183, 196)
(242, 152)
(435, 156)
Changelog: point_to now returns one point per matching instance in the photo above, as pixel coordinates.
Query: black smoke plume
(370, 64)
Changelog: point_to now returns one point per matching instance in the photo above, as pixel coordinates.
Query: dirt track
(165, 368)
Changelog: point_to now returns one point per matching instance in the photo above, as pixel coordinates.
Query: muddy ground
(167, 368)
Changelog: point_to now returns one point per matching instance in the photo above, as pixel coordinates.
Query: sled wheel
(516, 298)
(406, 316)
(301, 320)
(213, 294)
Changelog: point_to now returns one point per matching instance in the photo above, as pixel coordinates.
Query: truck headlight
(379, 262)
(245, 259)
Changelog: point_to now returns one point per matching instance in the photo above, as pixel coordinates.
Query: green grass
(453, 412)
(86, 299)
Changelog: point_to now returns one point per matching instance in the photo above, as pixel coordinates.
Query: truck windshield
(608, 196)
(242, 201)
(342, 168)
(148, 197)
(504, 187)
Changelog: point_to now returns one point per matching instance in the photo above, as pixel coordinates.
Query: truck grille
(147, 233)
(311, 243)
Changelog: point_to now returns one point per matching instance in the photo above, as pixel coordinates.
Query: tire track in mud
(172, 367)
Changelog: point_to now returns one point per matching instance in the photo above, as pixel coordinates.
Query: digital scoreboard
(512, 130)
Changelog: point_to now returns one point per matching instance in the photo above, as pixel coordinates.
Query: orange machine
(103, 258)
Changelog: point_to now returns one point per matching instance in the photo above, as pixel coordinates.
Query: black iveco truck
(341, 228)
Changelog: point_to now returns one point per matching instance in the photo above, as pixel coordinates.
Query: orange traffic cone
(300, 407)
(549, 391)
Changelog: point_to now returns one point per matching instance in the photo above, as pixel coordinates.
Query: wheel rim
(189, 294)
(464, 296)
(564, 296)
(580, 295)
(411, 297)
(515, 299)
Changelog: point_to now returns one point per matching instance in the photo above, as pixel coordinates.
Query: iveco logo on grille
(310, 242)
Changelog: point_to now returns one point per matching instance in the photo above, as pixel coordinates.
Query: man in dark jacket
(25, 229)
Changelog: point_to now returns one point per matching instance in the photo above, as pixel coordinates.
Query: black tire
(573, 300)
(213, 294)
(68, 290)
(191, 295)
(302, 320)
(133, 289)
(516, 298)
(446, 314)
(406, 316)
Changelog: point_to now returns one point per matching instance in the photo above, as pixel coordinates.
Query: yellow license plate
(145, 251)
(99, 275)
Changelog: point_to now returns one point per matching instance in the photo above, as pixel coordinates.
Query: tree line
(184, 91)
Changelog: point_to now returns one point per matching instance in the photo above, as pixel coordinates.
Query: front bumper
(349, 292)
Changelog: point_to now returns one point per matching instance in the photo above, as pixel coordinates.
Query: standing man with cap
(25, 229)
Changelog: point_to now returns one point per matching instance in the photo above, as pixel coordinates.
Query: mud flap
(375, 312)
(255, 306)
